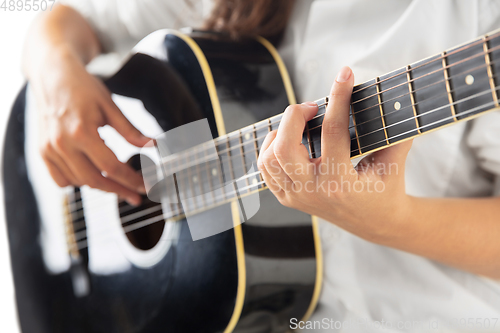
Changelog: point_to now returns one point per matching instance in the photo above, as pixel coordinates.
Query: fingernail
(344, 74)
(310, 104)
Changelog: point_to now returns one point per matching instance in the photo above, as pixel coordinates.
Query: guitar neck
(453, 86)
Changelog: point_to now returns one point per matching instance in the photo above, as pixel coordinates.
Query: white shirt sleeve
(484, 140)
(120, 24)
(488, 16)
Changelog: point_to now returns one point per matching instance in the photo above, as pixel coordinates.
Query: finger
(276, 171)
(54, 160)
(89, 175)
(56, 174)
(267, 142)
(288, 147)
(335, 138)
(116, 119)
(105, 161)
(270, 182)
(268, 164)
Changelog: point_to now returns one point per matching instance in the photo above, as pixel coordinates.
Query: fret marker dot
(397, 105)
(247, 136)
(195, 179)
(214, 172)
(469, 79)
(255, 181)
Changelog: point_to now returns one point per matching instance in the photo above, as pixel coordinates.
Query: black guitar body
(258, 275)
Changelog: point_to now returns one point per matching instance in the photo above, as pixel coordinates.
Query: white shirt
(365, 282)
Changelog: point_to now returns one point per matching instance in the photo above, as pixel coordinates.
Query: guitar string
(489, 50)
(442, 68)
(422, 114)
(411, 81)
(413, 91)
(440, 58)
(477, 42)
(266, 124)
(258, 172)
(380, 129)
(161, 218)
(370, 120)
(461, 114)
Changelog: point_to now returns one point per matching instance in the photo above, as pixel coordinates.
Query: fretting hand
(368, 200)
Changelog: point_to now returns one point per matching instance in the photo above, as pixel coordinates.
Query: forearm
(59, 35)
(464, 233)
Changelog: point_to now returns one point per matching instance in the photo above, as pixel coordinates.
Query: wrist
(396, 223)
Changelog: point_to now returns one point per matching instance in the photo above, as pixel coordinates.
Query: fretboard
(455, 85)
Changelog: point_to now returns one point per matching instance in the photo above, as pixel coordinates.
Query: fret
(355, 151)
(412, 97)
(469, 80)
(306, 141)
(220, 176)
(275, 121)
(208, 170)
(185, 176)
(225, 163)
(489, 69)
(250, 156)
(175, 187)
(254, 133)
(245, 169)
(197, 180)
(377, 85)
(404, 103)
(205, 179)
(448, 88)
(262, 129)
(352, 125)
(494, 55)
(238, 167)
(169, 182)
(399, 116)
(430, 94)
(231, 168)
(179, 179)
(315, 129)
(366, 113)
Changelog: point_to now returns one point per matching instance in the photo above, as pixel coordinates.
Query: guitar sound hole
(145, 222)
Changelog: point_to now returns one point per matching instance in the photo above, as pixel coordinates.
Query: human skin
(463, 233)
(72, 105)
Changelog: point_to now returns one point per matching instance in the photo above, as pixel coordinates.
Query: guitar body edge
(228, 282)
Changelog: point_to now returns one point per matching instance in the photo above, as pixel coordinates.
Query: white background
(13, 29)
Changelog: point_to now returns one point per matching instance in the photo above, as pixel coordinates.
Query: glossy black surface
(193, 288)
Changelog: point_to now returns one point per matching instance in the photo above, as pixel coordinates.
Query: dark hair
(247, 18)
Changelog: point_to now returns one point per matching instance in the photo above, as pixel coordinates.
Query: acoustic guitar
(85, 261)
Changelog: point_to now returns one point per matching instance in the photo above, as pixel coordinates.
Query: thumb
(335, 138)
(122, 125)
